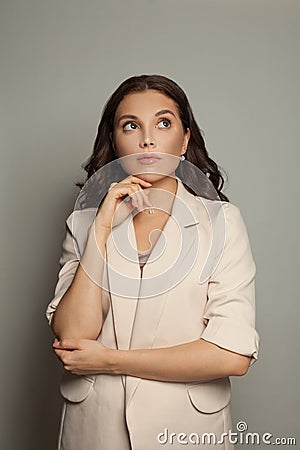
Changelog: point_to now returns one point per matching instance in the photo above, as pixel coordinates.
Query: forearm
(194, 361)
(79, 312)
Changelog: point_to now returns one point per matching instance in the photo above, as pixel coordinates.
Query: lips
(148, 159)
(146, 156)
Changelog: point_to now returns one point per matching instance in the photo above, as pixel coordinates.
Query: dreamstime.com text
(241, 436)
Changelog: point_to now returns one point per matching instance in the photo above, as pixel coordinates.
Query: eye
(164, 123)
(128, 126)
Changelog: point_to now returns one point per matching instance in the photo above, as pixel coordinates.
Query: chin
(151, 177)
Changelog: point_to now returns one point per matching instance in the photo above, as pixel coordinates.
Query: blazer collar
(171, 258)
(137, 301)
(122, 255)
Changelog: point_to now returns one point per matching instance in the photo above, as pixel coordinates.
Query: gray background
(238, 62)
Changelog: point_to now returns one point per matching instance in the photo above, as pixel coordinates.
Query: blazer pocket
(76, 388)
(211, 396)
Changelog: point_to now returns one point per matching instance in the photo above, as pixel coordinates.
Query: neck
(167, 183)
(162, 193)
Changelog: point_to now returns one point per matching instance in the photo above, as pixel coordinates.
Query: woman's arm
(223, 349)
(79, 312)
(193, 361)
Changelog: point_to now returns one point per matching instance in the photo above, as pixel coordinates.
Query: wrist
(100, 225)
(98, 232)
(116, 361)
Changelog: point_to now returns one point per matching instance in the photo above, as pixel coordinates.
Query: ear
(112, 141)
(186, 140)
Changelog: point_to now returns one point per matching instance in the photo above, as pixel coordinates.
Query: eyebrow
(159, 113)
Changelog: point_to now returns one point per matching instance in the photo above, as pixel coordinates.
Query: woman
(148, 345)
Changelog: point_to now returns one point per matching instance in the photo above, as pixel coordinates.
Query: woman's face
(148, 123)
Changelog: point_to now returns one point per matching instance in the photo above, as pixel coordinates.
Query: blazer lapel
(123, 280)
(138, 301)
(171, 258)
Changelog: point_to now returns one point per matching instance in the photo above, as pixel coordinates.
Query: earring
(182, 157)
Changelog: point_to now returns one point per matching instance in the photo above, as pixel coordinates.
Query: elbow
(74, 329)
(53, 326)
(241, 366)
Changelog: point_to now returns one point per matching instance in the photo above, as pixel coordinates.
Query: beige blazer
(198, 284)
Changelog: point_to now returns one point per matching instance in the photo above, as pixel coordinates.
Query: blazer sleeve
(229, 314)
(68, 262)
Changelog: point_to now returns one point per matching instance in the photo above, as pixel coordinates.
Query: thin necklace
(149, 210)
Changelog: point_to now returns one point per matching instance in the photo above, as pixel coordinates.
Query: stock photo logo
(240, 436)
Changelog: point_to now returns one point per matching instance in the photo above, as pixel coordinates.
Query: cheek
(125, 142)
(173, 140)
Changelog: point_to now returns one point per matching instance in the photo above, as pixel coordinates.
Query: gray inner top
(143, 257)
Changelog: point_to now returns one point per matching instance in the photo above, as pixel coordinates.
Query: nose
(147, 141)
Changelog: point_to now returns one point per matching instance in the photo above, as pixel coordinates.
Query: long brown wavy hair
(196, 153)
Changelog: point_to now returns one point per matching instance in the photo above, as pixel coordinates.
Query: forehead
(146, 102)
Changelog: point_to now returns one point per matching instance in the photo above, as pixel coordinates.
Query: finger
(66, 356)
(142, 199)
(122, 190)
(68, 344)
(135, 179)
(134, 198)
(130, 195)
(111, 186)
(144, 193)
(139, 198)
(60, 354)
(146, 200)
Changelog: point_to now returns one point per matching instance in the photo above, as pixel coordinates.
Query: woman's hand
(113, 210)
(83, 356)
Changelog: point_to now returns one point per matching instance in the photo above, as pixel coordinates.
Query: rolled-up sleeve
(68, 262)
(229, 315)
